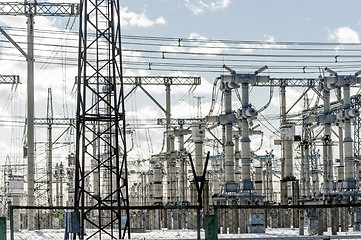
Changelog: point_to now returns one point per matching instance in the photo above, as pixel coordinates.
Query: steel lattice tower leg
(101, 142)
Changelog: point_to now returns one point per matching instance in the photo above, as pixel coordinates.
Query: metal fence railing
(335, 221)
(236, 221)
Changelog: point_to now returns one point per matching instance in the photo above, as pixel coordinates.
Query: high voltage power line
(202, 55)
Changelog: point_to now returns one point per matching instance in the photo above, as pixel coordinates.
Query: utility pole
(30, 9)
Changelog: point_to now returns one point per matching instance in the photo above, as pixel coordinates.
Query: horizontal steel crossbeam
(292, 82)
(55, 121)
(9, 79)
(39, 9)
(147, 80)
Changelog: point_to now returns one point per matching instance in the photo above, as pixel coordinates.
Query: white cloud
(213, 46)
(132, 19)
(200, 45)
(197, 6)
(268, 43)
(344, 35)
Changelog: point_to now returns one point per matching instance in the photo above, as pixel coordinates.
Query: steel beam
(39, 9)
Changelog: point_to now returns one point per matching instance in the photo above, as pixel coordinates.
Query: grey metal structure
(356, 103)
(9, 79)
(100, 142)
(31, 8)
(49, 165)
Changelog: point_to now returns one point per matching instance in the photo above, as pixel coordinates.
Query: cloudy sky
(245, 20)
(182, 38)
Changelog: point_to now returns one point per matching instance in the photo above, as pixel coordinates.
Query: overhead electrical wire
(196, 40)
(191, 55)
(206, 55)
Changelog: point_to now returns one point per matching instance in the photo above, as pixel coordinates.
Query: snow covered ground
(271, 234)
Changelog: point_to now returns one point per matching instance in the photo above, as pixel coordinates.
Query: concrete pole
(283, 121)
(287, 143)
(57, 175)
(158, 185)
(307, 169)
(229, 145)
(150, 188)
(61, 195)
(258, 180)
(169, 141)
(198, 138)
(237, 153)
(327, 145)
(167, 115)
(183, 167)
(341, 167)
(286, 161)
(246, 182)
(349, 159)
(198, 134)
(171, 172)
(16, 201)
(158, 195)
(303, 170)
(30, 112)
(269, 180)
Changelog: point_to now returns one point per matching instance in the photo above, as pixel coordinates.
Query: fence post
(198, 223)
(211, 225)
(11, 216)
(2, 228)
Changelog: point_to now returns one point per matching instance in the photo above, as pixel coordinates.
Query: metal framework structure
(356, 103)
(49, 164)
(101, 151)
(30, 9)
(9, 79)
(291, 82)
(148, 80)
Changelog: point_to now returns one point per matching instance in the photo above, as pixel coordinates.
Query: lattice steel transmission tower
(101, 142)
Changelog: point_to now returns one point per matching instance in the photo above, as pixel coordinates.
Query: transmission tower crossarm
(161, 80)
(292, 82)
(148, 80)
(35, 8)
(9, 79)
(55, 121)
(180, 121)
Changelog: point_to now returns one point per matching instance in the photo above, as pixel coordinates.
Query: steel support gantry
(139, 82)
(30, 9)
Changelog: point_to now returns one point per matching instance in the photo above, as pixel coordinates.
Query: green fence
(236, 221)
